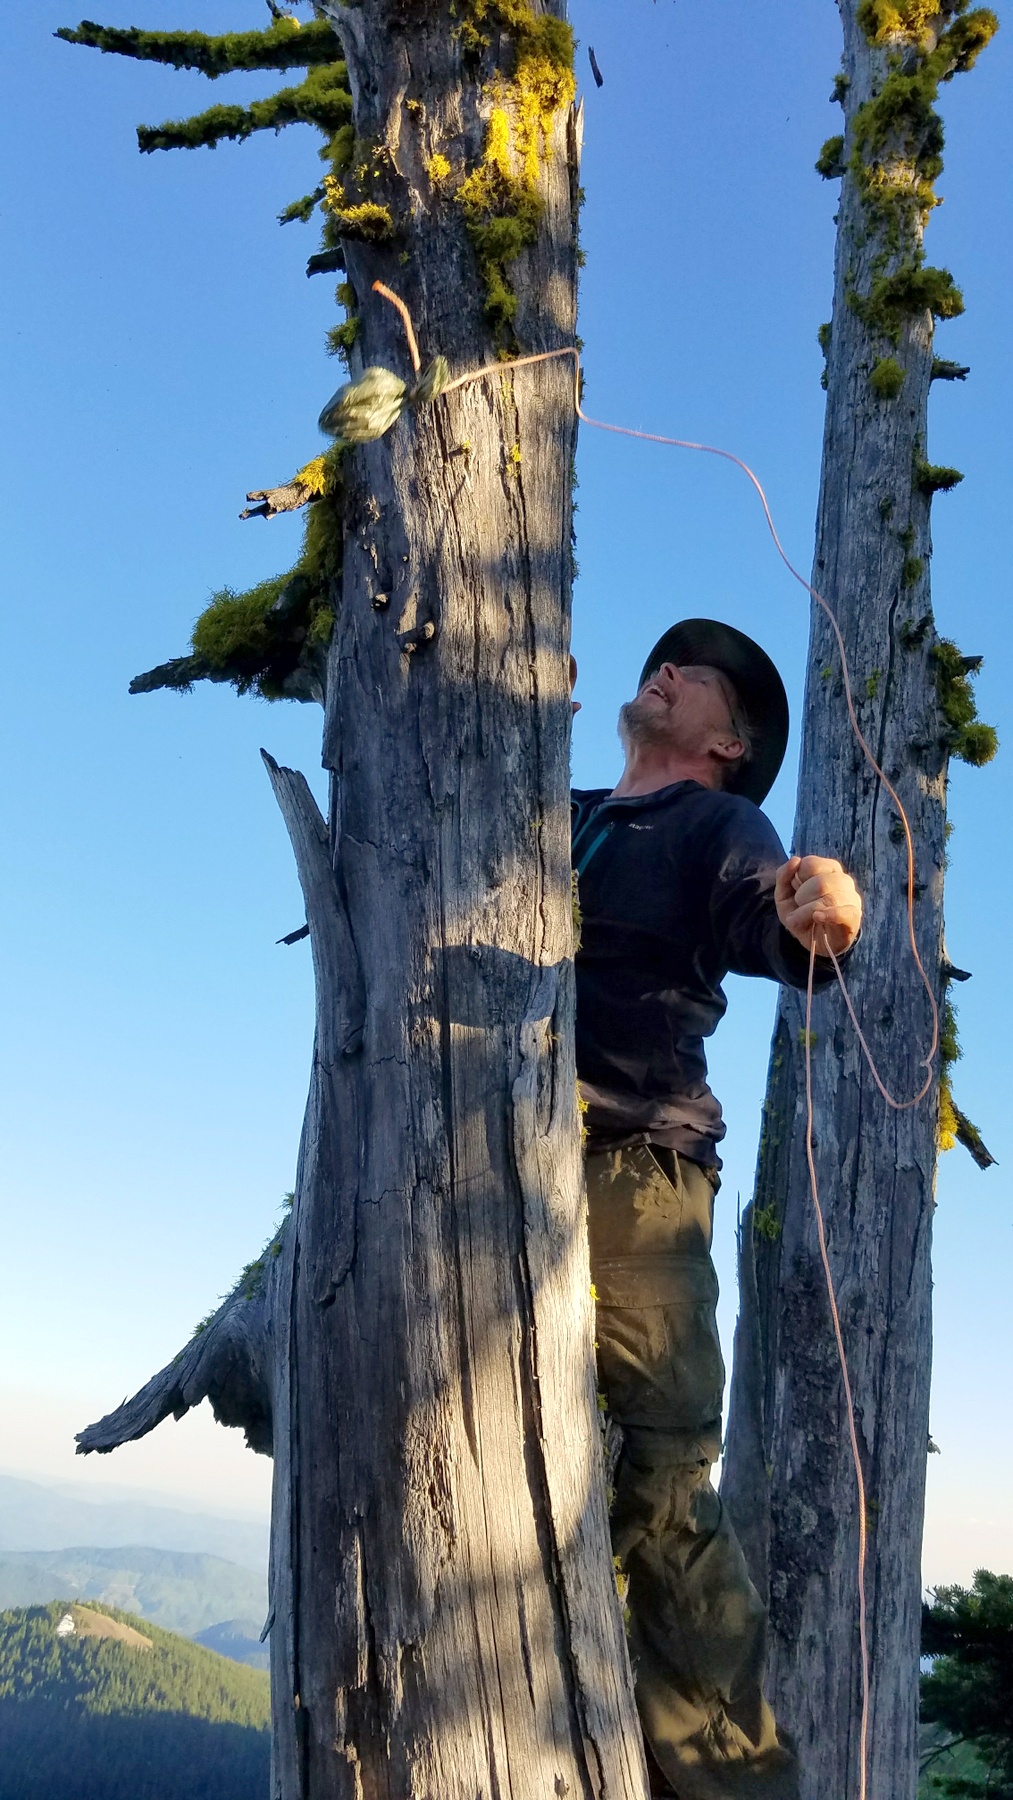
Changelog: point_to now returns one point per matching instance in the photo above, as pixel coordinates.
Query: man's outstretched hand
(814, 894)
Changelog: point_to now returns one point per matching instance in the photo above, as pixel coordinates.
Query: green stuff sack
(361, 411)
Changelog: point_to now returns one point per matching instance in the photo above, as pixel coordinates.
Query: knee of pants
(661, 1483)
(661, 1366)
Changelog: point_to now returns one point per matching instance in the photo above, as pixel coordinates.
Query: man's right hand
(815, 895)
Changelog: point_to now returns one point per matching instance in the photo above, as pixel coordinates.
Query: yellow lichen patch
(438, 169)
(313, 476)
(496, 154)
(502, 212)
(534, 34)
(911, 21)
(368, 221)
(541, 87)
(946, 1132)
(898, 183)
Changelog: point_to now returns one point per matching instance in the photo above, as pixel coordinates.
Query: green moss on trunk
(500, 196)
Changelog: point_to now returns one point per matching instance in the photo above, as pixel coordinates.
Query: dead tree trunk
(444, 1616)
(789, 1478)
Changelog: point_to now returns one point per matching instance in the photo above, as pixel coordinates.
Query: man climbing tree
(682, 879)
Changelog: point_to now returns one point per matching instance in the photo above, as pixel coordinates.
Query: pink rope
(863, 1523)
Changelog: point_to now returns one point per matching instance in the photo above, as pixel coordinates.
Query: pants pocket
(633, 1206)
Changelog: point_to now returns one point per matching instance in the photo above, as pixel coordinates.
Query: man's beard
(642, 726)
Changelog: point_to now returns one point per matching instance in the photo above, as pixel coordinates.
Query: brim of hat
(756, 681)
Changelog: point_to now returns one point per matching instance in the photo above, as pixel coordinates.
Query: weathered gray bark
(445, 1622)
(789, 1478)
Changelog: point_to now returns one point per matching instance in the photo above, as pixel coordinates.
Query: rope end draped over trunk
(227, 1361)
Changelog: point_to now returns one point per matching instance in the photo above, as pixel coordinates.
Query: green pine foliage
(969, 1690)
(92, 1718)
(943, 1759)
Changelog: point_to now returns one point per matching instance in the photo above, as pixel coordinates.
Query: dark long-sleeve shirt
(676, 890)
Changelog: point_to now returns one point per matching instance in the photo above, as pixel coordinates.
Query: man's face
(687, 709)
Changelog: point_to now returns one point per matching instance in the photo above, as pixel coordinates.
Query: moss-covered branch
(227, 1361)
(902, 294)
(284, 45)
(948, 371)
(966, 736)
(954, 1126)
(322, 99)
(272, 639)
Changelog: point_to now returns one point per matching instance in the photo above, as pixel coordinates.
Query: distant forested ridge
(176, 1589)
(139, 1715)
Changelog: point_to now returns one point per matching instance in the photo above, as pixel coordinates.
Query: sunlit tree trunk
(418, 1348)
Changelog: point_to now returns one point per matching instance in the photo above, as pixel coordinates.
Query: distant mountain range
(36, 1517)
(189, 1572)
(177, 1589)
(95, 1705)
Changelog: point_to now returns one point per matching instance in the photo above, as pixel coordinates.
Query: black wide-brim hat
(757, 683)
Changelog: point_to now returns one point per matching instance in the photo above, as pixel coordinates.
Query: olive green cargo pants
(696, 1623)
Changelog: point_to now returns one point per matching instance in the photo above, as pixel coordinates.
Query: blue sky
(165, 355)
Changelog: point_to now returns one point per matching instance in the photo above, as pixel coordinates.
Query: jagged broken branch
(227, 1361)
